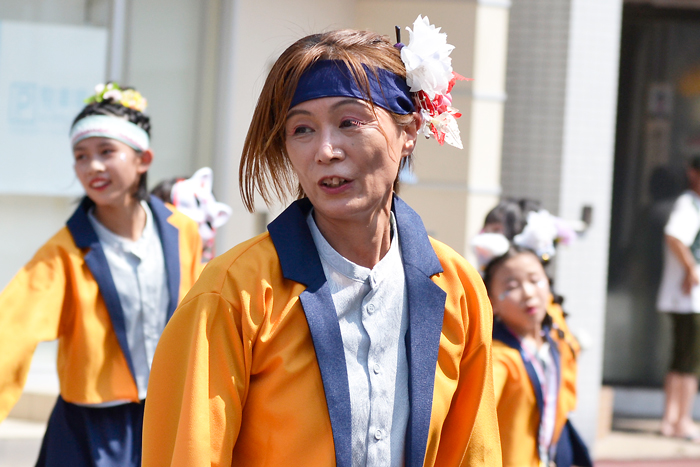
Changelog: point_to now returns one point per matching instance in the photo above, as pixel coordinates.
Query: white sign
(46, 73)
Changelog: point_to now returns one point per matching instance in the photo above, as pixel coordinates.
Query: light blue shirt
(138, 271)
(372, 309)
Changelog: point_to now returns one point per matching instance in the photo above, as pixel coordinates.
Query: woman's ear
(145, 160)
(411, 135)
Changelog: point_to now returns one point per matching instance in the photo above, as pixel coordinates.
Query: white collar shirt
(138, 270)
(372, 309)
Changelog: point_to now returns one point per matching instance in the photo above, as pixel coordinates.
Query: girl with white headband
(104, 286)
(534, 353)
(344, 335)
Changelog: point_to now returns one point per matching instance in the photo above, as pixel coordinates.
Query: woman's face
(345, 156)
(519, 292)
(109, 170)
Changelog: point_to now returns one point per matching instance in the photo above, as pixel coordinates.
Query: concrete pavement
(637, 443)
(632, 443)
(20, 441)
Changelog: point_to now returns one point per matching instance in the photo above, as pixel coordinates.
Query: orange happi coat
(66, 292)
(250, 370)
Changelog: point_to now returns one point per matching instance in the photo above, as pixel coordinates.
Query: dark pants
(79, 436)
(686, 343)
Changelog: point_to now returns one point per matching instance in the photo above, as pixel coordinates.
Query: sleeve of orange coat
(197, 386)
(30, 312)
(469, 435)
(484, 446)
(197, 265)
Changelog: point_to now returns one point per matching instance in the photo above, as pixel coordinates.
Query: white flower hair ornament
(193, 197)
(429, 74)
(487, 247)
(539, 234)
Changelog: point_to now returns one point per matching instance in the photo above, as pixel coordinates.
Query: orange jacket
(569, 350)
(251, 371)
(67, 293)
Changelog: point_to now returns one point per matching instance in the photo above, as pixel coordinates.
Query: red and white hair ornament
(539, 234)
(429, 74)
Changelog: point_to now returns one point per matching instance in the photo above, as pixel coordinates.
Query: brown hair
(265, 166)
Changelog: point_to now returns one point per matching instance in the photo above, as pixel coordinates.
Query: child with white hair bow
(534, 354)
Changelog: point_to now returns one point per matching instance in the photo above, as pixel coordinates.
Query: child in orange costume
(534, 358)
(104, 286)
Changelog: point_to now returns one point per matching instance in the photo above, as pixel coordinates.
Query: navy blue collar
(293, 242)
(85, 237)
(300, 262)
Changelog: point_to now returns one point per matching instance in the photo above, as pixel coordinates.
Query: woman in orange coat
(344, 335)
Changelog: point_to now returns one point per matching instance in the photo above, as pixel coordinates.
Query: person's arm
(30, 312)
(684, 255)
(484, 446)
(197, 385)
(469, 433)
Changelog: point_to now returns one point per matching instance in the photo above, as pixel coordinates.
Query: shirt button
(376, 368)
(379, 434)
(370, 308)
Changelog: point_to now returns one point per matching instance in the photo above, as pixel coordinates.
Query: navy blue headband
(333, 78)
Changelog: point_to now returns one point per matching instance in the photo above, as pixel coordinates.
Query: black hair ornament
(398, 44)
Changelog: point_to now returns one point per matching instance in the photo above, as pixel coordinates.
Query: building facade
(538, 121)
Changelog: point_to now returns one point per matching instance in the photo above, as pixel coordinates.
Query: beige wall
(163, 62)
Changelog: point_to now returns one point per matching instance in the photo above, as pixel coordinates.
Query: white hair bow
(539, 234)
(487, 247)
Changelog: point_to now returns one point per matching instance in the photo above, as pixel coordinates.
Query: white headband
(106, 126)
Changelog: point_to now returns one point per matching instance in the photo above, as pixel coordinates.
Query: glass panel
(658, 128)
(78, 12)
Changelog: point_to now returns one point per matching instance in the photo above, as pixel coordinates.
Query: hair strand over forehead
(264, 166)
